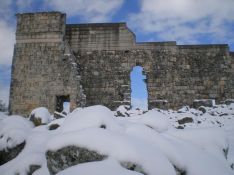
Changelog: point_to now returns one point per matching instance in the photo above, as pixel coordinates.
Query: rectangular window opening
(63, 103)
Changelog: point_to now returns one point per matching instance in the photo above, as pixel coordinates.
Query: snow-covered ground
(195, 142)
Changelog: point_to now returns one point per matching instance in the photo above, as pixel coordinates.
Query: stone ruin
(89, 64)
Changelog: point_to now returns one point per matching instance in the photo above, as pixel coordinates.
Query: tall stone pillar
(41, 71)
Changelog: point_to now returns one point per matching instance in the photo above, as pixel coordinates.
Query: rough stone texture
(202, 108)
(133, 167)
(228, 101)
(36, 121)
(203, 102)
(53, 59)
(175, 74)
(185, 120)
(9, 154)
(43, 64)
(33, 168)
(54, 126)
(66, 157)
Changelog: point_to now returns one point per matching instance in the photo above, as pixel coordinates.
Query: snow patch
(149, 140)
(89, 117)
(108, 167)
(13, 131)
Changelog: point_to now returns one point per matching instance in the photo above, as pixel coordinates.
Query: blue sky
(184, 21)
(139, 92)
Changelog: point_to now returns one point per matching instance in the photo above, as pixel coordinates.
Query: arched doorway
(139, 93)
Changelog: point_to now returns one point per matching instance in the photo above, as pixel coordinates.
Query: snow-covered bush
(13, 131)
(89, 117)
(40, 116)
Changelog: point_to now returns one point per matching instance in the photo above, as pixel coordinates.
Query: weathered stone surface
(229, 101)
(66, 157)
(161, 104)
(53, 126)
(33, 168)
(185, 120)
(202, 108)
(40, 116)
(91, 64)
(203, 102)
(36, 121)
(133, 167)
(180, 127)
(44, 66)
(9, 154)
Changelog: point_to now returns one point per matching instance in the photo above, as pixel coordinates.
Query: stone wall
(231, 75)
(176, 74)
(42, 65)
(53, 59)
(192, 72)
(100, 36)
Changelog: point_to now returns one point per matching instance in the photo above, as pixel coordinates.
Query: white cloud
(7, 29)
(5, 9)
(7, 38)
(9, 7)
(186, 20)
(6, 46)
(89, 10)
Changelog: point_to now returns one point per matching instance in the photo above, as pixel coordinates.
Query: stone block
(203, 102)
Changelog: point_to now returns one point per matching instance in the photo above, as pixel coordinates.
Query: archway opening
(139, 93)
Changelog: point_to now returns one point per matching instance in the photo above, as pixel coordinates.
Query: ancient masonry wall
(43, 67)
(176, 75)
(52, 59)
